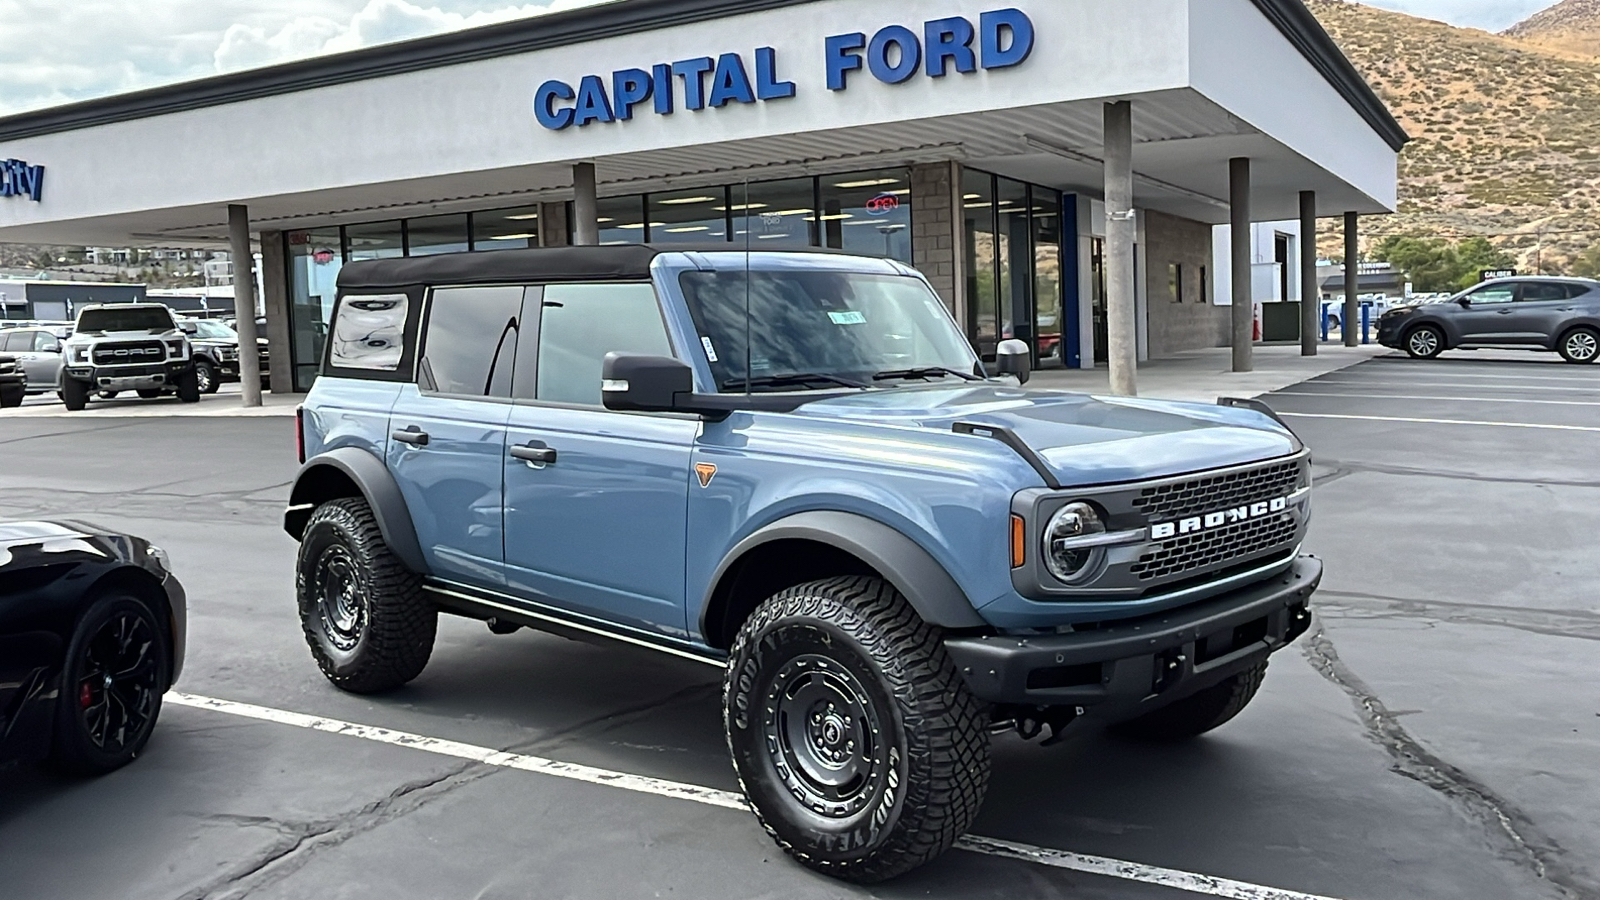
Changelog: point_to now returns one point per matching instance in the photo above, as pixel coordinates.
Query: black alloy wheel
(853, 735)
(116, 671)
(188, 387)
(74, 394)
(1581, 346)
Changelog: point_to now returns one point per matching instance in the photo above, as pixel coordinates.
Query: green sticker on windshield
(848, 318)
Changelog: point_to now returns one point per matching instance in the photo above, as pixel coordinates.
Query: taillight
(300, 433)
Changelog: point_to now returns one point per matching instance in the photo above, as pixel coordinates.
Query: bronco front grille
(1219, 546)
(132, 353)
(1204, 494)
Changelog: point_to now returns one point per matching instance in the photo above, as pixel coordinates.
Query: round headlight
(1075, 520)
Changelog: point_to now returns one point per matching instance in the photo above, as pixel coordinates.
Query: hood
(1084, 440)
(79, 336)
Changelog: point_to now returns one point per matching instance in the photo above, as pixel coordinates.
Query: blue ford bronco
(791, 466)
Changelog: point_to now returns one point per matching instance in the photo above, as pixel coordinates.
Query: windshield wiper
(924, 372)
(796, 379)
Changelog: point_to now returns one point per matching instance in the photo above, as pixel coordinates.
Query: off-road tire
(1418, 345)
(205, 376)
(392, 624)
(148, 393)
(188, 387)
(12, 397)
(1200, 712)
(1580, 345)
(74, 394)
(86, 739)
(929, 766)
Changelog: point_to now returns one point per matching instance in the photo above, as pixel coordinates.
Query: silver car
(1553, 314)
(38, 351)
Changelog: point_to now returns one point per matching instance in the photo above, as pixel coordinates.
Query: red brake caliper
(85, 695)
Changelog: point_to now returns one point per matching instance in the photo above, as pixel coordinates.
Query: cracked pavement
(1436, 737)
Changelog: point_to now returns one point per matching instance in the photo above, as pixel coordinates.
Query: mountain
(1506, 132)
(1571, 26)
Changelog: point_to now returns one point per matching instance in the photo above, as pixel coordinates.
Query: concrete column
(585, 206)
(1350, 322)
(1310, 297)
(553, 228)
(275, 300)
(1244, 306)
(933, 227)
(244, 301)
(1121, 321)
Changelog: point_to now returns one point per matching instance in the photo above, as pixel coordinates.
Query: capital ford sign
(894, 55)
(1197, 524)
(18, 179)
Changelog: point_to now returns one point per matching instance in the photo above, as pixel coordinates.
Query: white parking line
(1432, 397)
(1319, 382)
(1441, 421)
(1440, 373)
(1060, 859)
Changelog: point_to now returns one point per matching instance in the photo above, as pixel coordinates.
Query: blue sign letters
(18, 179)
(894, 55)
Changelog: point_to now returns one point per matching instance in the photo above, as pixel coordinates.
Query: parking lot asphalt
(1436, 737)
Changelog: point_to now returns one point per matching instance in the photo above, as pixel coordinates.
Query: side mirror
(1014, 358)
(1465, 302)
(52, 348)
(189, 328)
(635, 383)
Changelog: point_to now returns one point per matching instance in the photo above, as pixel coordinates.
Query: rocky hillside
(1571, 26)
(1506, 133)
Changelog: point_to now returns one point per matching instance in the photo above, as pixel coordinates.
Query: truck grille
(7, 366)
(1178, 499)
(1190, 552)
(127, 354)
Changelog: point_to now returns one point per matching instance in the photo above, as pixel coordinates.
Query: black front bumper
(1121, 667)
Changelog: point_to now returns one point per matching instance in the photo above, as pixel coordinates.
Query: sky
(58, 51)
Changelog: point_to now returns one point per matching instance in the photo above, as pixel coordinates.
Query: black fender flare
(377, 486)
(936, 596)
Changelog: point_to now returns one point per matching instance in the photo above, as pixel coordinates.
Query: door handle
(412, 436)
(534, 453)
(1505, 312)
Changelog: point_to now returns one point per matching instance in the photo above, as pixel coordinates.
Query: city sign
(18, 179)
(1000, 39)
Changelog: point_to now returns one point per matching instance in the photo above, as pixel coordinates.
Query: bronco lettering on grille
(1197, 524)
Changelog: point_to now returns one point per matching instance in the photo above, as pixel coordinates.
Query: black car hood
(33, 543)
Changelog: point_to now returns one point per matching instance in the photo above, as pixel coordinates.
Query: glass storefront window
(504, 229)
(978, 239)
(689, 217)
(1014, 246)
(373, 240)
(1047, 288)
(314, 263)
(436, 234)
(776, 215)
(621, 220)
(868, 213)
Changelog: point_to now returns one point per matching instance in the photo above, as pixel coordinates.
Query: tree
(1476, 254)
(1434, 264)
(1587, 265)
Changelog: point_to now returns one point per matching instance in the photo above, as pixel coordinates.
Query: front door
(595, 501)
(1487, 317)
(447, 431)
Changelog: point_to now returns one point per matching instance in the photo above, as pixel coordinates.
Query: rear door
(1540, 309)
(44, 360)
(447, 430)
(596, 501)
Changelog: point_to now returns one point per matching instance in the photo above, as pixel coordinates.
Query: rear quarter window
(374, 335)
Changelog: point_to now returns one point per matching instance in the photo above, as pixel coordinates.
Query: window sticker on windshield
(711, 352)
(848, 318)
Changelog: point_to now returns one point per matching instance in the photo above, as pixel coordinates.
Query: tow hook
(1031, 723)
(501, 626)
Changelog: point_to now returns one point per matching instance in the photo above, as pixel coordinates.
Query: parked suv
(1552, 314)
(127, 346)
(215, 347)
(38, 351)
(793, 467)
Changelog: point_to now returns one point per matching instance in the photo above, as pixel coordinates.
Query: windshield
(847, 326)
(208, 329)
(135, 318)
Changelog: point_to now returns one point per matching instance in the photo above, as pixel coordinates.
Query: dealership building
(965, 137)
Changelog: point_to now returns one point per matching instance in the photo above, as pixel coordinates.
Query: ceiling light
(837, 218)
(685, 201)
(513, 237)
(740, 207)
(689, 229)
(792, 212)
(523, 217)
(869, 183)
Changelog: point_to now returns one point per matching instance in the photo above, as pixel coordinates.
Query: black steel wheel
(1580, 345)
(362, 611)
(205, 377)
(853, 735)
(117, 668)
(188, 387)
(1424, 342)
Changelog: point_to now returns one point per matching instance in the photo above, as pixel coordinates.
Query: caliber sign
(894, 55)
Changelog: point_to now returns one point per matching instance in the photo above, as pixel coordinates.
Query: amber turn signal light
(1019, 542)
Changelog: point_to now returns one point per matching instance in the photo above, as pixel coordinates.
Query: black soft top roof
(618, 263)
